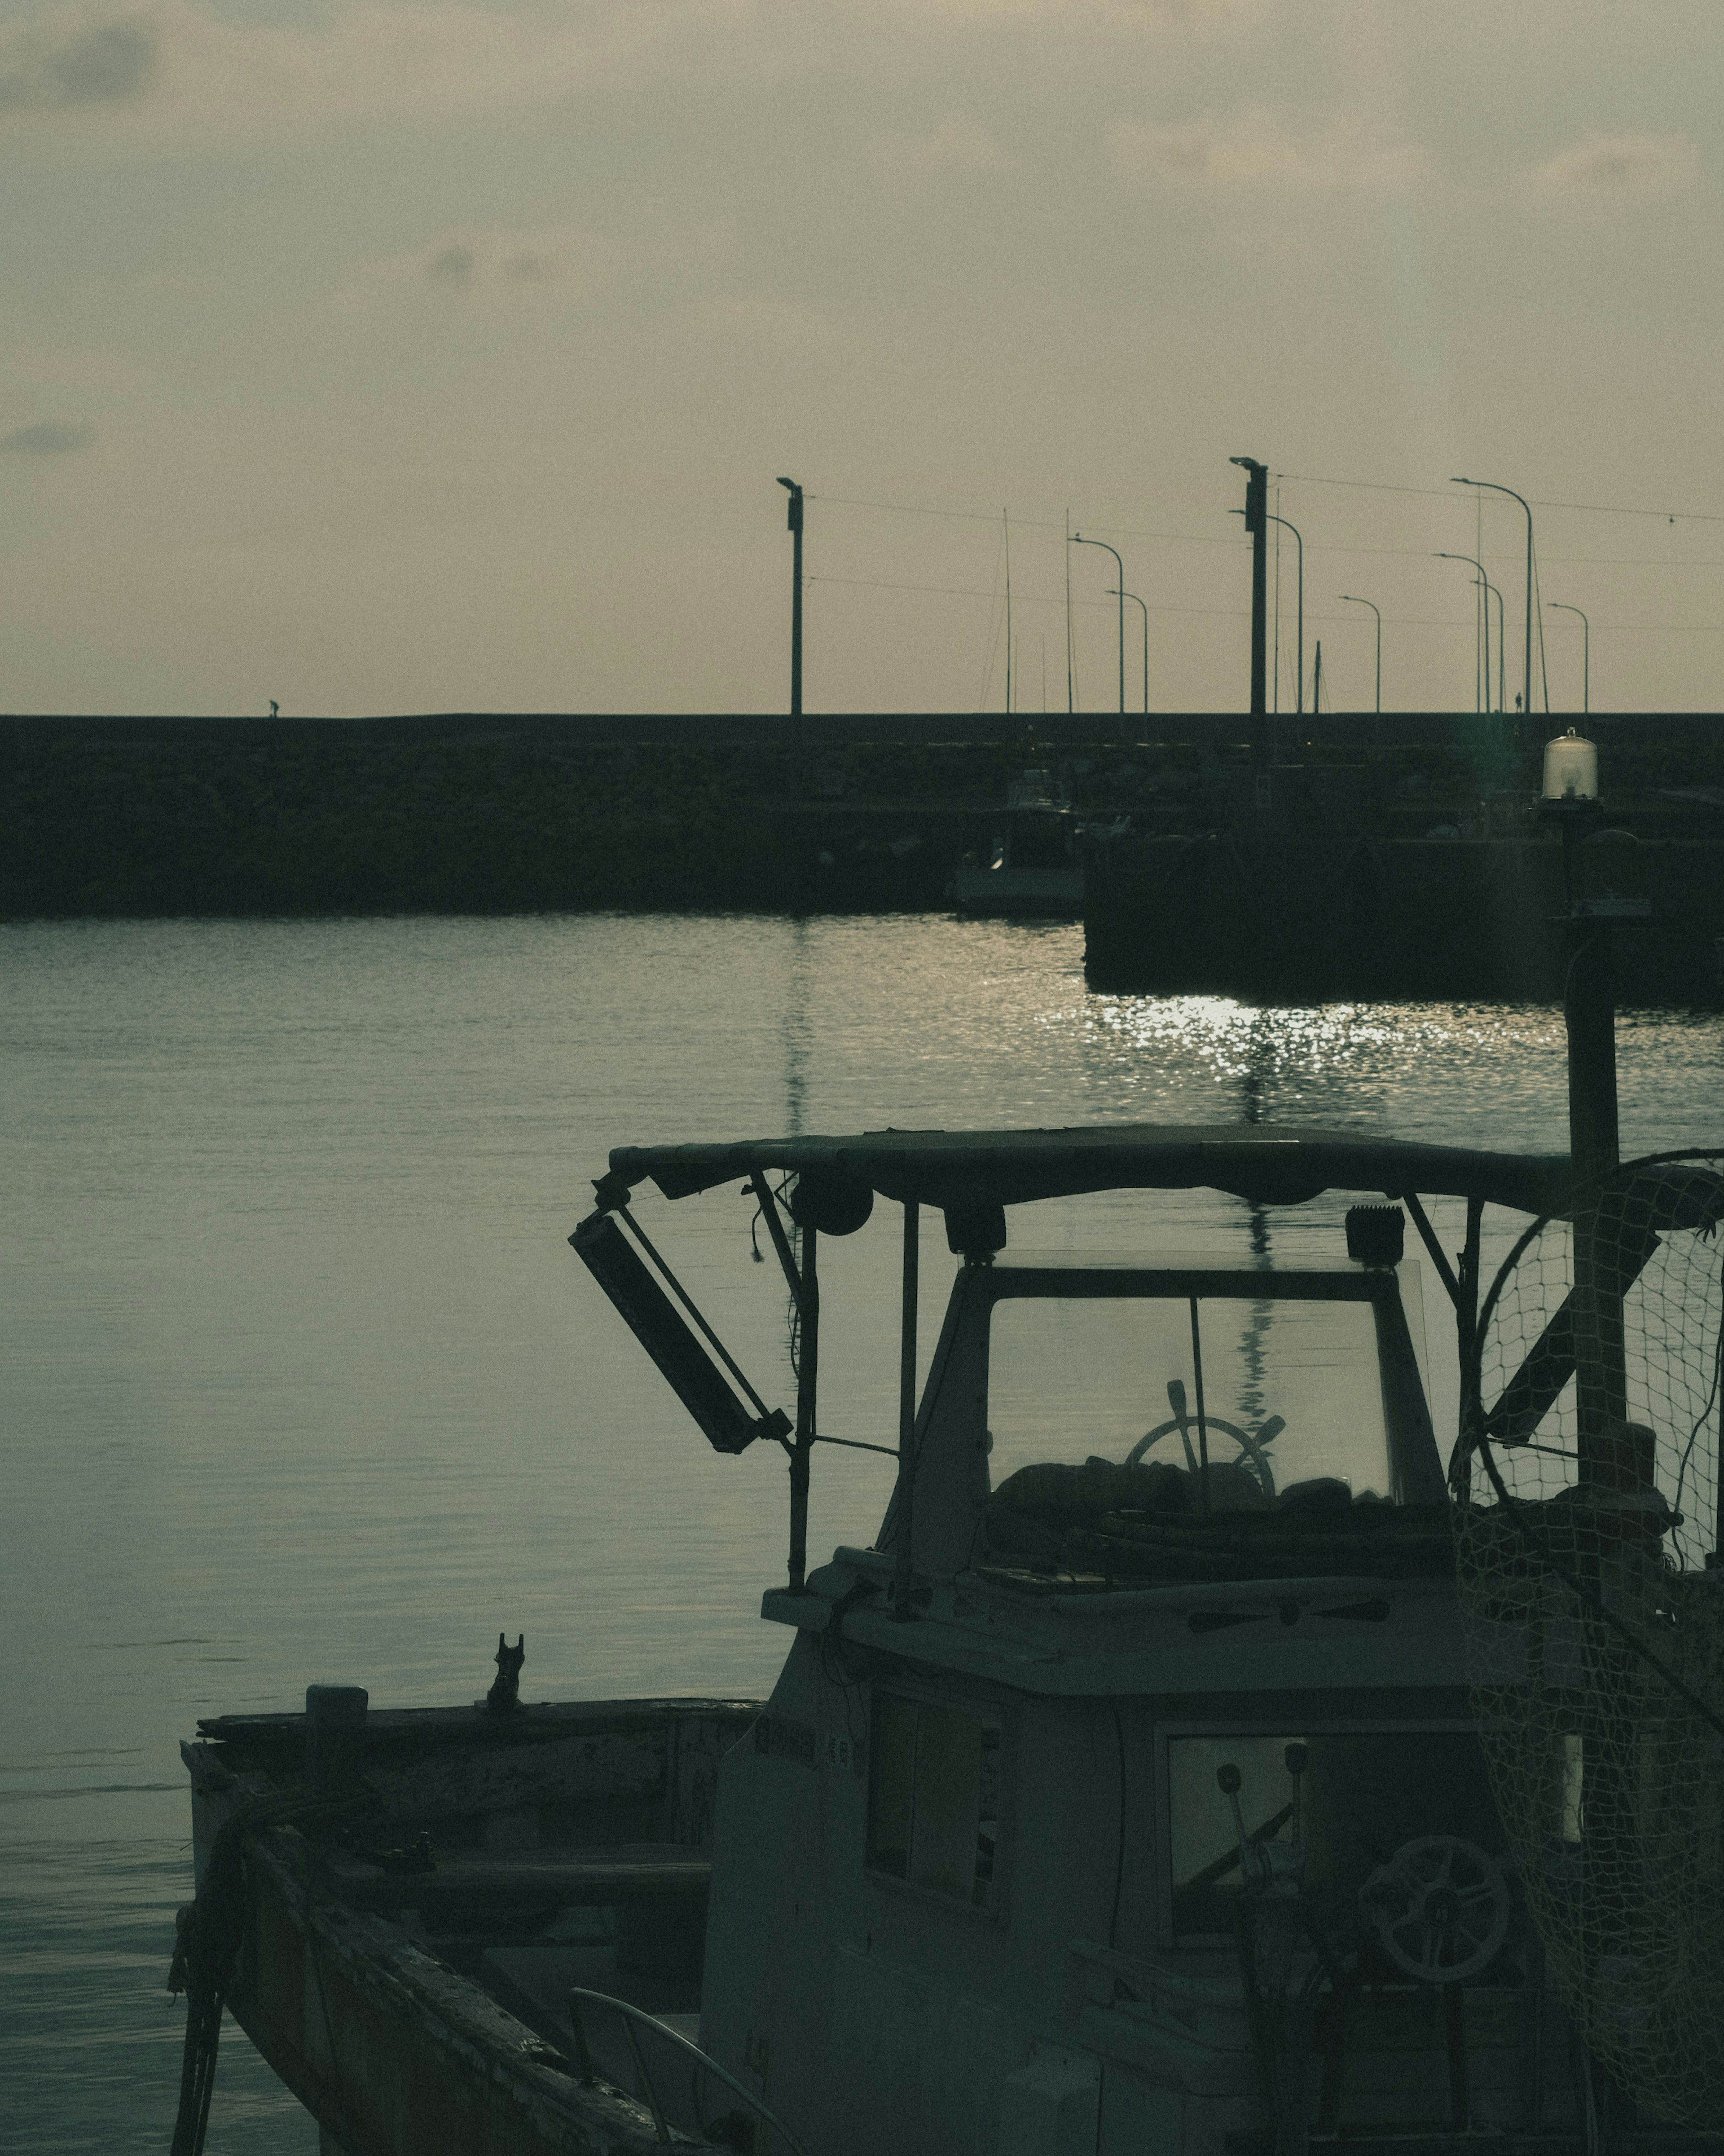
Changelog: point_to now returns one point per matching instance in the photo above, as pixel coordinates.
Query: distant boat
(1034, 868)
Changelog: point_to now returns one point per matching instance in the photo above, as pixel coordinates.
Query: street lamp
(1490, 485)
(795, 599)
(1270, 517)
(1489, 589)
(1586, 651)
(1078, 539)
(1350, 600)
(1144, 611)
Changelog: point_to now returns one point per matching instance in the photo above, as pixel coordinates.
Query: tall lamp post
(795, 599)
(1350, 600)
(1299, 699)
(1078, 539)
(1488, 589)
(1270, 517)
(1586, 651)
(1144, 611)
(1491, 486)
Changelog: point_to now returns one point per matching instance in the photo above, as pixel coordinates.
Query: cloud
(1256, 153)
(957, 145)
(466, 261)
(145, 65)
(47, 438)
(64, 61)
(1193, 15)
(451, 265)
(1620, 169)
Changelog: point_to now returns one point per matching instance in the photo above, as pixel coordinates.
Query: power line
(1397, 620)
(1443, 494)
(1317, 547)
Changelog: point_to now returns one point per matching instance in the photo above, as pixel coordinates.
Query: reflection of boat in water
(1122, 1796)
(1032, 867)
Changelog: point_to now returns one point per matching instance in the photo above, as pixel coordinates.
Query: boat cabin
(1124, 1794)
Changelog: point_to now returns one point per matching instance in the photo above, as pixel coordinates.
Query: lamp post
(1078, 539)
(1586, 651)
(1491, 486)
(1144, 611)
(795, 601)
(1488, 589)
(1350, 600)
(1299, 699)
(1270, 517)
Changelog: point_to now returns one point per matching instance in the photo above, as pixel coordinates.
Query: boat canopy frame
(972, 1176)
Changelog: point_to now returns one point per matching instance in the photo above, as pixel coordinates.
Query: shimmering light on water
(301, 1381)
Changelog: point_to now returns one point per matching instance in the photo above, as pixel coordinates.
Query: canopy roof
(1277, 1164)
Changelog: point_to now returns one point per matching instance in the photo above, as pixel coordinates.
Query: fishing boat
(1129, 1794)
(1158, 1630)
(1033, 868)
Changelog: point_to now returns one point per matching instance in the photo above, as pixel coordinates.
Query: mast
(1006, 525)
(1068, 613)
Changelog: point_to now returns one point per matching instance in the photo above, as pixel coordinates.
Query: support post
(796, 521)
(808, 1377)
(1589, 1015)
(904, 1569)
(1257, 524)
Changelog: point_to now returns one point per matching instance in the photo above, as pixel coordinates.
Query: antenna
(1068, 614)
(1006, 523)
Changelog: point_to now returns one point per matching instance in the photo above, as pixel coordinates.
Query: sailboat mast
(1006, 525)
(1068, 613)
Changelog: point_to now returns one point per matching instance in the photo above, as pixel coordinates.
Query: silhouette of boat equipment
(1161, 1611)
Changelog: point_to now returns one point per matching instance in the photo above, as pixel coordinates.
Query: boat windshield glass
(1291, 1390)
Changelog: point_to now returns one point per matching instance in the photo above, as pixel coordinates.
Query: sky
(381, 356)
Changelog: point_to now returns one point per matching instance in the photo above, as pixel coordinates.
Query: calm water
(300, 1380)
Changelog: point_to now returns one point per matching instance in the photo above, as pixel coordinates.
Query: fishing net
(1586, 1482)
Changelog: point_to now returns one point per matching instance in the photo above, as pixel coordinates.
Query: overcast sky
(442, 355)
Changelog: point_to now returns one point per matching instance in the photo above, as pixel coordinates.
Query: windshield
(1290, 1391)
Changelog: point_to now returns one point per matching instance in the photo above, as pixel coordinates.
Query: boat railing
(694, 2101)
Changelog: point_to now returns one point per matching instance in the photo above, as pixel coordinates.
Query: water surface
(300, 1380)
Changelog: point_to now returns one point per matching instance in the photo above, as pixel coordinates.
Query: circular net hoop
(1586, 1484)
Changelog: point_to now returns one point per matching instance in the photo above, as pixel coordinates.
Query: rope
(209, 1932)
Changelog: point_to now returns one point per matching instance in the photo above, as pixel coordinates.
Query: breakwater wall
(489, 811)
(1291, 916)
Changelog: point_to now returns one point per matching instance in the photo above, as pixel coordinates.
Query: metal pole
(1527, 691)
(1488, 588)
(1586, 652)
(904, 1571)
(1351, 601)
(796, 500)
(808, 1378)
(1256, 515)
(1144, 611)
(1078, 539)
(1299, 701)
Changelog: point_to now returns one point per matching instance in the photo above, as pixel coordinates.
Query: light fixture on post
(1556, 606)
(1144, 611)
(1347, 599)
(1078, 539)
(1491, 487)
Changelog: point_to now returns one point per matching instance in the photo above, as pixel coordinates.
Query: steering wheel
(1250, 1445)
(1440, 1906)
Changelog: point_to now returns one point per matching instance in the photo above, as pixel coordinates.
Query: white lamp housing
(1571, 768)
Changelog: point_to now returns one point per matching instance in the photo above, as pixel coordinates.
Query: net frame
(1593, 1608)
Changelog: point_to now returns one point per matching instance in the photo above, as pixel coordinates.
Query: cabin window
(1357, 1799)
(933, 1812)
(1291, 1389)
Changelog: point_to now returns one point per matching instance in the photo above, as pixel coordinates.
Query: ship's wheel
(1440, 1907)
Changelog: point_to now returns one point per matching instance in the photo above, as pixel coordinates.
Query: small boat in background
(1034, 867)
